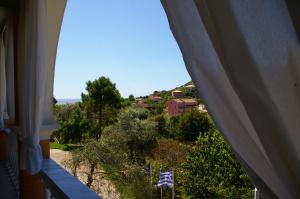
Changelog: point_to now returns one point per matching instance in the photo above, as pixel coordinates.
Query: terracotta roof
(190, 86)
(185, 100)
(177, 91)
(155, 97)
(178, 100)
(189, 100)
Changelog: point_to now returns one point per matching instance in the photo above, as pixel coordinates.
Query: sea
(67, 101)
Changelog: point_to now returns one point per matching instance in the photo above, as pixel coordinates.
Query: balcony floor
(7, 189)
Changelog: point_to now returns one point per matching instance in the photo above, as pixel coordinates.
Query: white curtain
(2, 81)
(7, 101)
(55, 13)
(10, 71)
(32, 79)
(244, 58)
(39, 26)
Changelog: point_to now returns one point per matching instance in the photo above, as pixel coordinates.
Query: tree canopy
(212, 171)
(73, 123)
(101, 104)
(192, 124)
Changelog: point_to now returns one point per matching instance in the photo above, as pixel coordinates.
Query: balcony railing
(62, 185)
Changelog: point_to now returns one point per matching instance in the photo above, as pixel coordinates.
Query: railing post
(3, 145)
(32, 186)
(45, 148)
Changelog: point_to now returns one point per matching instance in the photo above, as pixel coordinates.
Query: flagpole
(150, 177)
(173, 189)
(160, 169)
(151, 184)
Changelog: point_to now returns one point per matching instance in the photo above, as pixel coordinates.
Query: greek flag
(165, 179)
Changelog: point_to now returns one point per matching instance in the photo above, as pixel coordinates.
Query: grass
(64, 147)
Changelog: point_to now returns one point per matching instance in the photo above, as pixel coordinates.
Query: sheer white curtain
(32, 78)
(7, 101)
(7, 105)
(10, 71)
(55, 13)
(39, 27)
(244, 58)
(2, 81)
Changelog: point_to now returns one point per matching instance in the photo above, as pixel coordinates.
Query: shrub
(212, 171)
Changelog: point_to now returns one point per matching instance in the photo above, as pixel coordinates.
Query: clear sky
(128, 41)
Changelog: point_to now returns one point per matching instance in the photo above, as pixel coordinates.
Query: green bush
(212, 171)
(72, 121)
(192, 124)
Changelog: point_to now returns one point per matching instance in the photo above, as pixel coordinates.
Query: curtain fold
(55, 13)
(2, 81)
(7, 101)
(32, 79)
(244, 58)
(38, 33)
(10, 71)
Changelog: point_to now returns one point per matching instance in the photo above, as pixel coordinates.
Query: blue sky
(128, 41)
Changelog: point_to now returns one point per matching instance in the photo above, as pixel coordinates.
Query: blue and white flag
(165, 179)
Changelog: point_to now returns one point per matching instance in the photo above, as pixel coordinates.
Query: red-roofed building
(190, 86)
(155, 98)
(177, 94)
(178, 106)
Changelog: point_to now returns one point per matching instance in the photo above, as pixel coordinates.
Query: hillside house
(155, 99)
(178, 106)
(142, 104)
(202, 108)
(190, 86)
(178, 94)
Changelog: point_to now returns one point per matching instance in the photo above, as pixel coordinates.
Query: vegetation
(101, 105)
(192, 124)
(73, 123)
(211, 171)
(64, 147)
(115, 137)
(139, 132)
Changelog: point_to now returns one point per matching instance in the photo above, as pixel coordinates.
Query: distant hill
(67, 101)
(190, 92)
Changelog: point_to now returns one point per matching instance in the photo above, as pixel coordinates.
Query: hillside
(188, 89)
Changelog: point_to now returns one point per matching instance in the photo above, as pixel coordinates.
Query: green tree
(139, 131)
(72, 121)
(101, 103)
(109, 157)
(131, 98)
(172, 127)
(94, 153)
(161, 126)
(126, 102)
(192, 124)
(171, 153)
(212, 171)
(131, 173)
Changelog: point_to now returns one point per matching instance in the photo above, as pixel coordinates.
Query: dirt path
(59, 156)
(102, 186)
